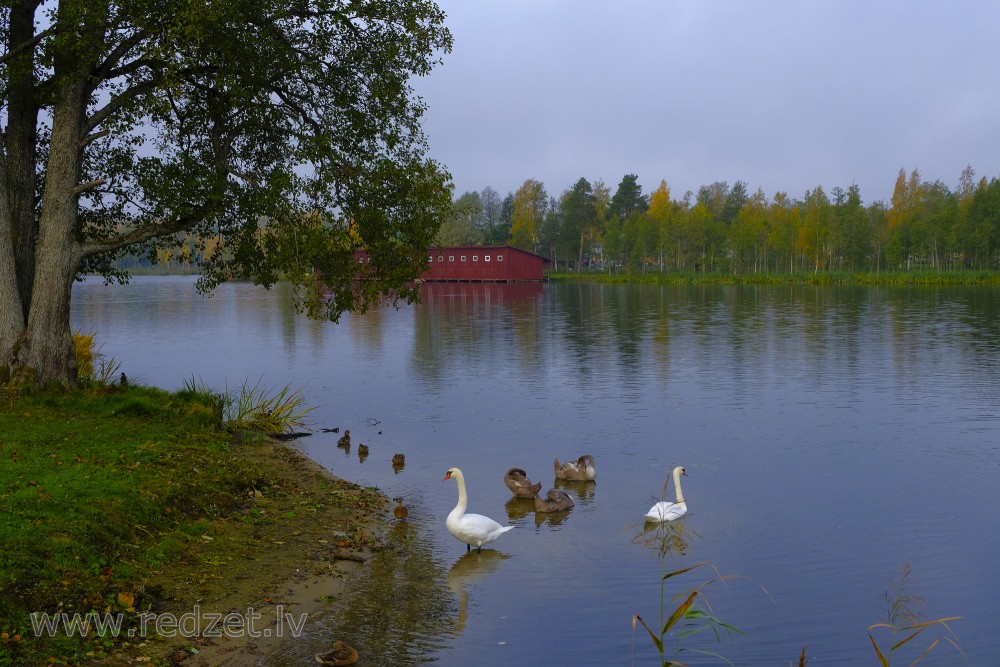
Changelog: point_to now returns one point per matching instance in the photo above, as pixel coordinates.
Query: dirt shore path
(248, 582)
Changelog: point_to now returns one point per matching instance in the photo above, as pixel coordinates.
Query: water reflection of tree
(392, 611)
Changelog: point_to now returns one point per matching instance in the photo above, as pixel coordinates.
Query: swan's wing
(659, 511)
(558, 496)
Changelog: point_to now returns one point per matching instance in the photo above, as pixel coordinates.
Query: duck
(362, 451)
(398, 459)
(345, 440)
(470, 529)
(554, 501)
(342, 654)
(666, 510)
(400, 511)
(519, 484)
(581, 469)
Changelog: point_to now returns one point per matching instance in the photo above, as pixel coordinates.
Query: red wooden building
(480, 264)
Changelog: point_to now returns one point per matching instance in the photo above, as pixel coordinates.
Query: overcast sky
(781, 95)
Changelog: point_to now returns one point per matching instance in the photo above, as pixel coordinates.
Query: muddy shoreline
(254, 577)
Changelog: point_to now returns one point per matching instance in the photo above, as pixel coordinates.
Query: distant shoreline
(859, 278)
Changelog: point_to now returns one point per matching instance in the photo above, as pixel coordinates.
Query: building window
(430, 259)
(475, 258)
(451, 258)
(361, 260)
(487, 258)
(499, 258)
(463, 258)
(440, 258)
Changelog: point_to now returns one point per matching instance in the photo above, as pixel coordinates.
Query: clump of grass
(85, 353)
(905, 613)
(93, 367)
(692, 616)
(254, 409)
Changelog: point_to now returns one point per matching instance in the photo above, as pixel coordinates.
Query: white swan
(472, 529)
(666, 510)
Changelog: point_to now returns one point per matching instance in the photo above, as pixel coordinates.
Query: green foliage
(252, 139)
(927, 227)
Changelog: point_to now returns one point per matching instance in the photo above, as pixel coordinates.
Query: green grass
(98, 487)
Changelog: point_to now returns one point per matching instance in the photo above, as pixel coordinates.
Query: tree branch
(83, 187)
(91, 138)
(28, 44)
(144, 233)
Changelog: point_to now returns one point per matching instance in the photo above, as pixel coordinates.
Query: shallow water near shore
(829, 434)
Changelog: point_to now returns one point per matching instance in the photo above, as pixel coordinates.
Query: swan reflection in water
(584, 490)
(551, 518)
(519, 508)
(469, 570)
(668, 538)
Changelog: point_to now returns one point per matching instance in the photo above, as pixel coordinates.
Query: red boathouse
(483, 264)
(476, 263)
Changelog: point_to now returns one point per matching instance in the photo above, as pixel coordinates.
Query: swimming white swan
(472, 529)
(666, 510)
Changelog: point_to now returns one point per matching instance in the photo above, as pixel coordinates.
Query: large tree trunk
(47, 353)
(21, 138)
(17, 187)
(11, 315)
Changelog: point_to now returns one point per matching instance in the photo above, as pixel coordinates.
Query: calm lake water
(830, 436)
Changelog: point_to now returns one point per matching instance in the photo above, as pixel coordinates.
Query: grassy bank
(133, 500)
(887, 278)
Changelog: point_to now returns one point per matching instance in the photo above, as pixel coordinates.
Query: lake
(831, 435)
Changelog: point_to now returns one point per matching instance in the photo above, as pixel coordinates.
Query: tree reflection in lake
(392, 610)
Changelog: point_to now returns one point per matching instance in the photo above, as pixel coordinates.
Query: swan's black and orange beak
(684, 472)
(447, 475)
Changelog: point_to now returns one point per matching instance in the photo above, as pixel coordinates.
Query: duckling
(362, 450)
(400, 511)
(519, 484)
(342, 654)
(554, 501)
(345, 440)
(398, 459)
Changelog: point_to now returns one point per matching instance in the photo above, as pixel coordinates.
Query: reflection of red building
(479, 264)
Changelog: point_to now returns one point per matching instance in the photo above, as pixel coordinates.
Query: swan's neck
(463, 497)
(677, 485)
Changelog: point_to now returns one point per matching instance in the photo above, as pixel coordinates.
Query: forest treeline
(728, 229)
